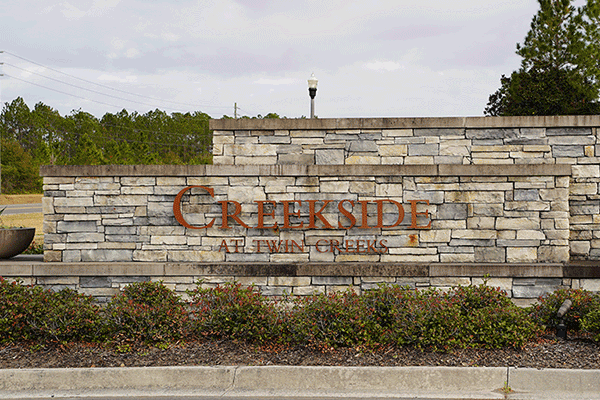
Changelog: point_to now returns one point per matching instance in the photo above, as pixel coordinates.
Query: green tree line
(41, 136)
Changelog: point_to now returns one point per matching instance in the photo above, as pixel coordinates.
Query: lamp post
(312, 92)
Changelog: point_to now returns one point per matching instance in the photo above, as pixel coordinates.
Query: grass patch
(20, 198)
(35, 220)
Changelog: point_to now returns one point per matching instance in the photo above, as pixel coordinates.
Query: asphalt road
(22, 208)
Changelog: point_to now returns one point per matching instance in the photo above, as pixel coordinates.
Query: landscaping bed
(149, 325)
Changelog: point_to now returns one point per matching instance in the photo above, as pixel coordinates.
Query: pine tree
(560, 69)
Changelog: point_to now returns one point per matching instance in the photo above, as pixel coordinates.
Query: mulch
(547, 352)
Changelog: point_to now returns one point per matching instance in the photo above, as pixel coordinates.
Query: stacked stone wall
(445, 213)
(433, 141)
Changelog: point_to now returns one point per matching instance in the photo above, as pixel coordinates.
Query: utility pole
(235, 110)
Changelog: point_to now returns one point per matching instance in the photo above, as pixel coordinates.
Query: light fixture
(312, 92)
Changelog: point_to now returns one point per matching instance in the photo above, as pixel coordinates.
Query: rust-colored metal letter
(177, 207)
(347, 214)
(365, 214)
(414, 213)
(312, 214)
(380, 213)
(319, 243)
(261, 214)
(286, 214)
(226, 215)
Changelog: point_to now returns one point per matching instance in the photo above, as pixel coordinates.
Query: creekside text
(313, 216)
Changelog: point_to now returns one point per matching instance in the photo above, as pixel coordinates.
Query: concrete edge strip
(232, 381)
(61, 382)
(533, 381)
(286, 381)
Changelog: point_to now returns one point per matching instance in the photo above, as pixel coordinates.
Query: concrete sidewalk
(283, 381)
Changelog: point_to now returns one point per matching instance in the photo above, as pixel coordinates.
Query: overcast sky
(372, 58)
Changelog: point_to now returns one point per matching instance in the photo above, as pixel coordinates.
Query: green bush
(466, 316)
(544, 311)
(469, 316)
(14, 299)
(331, 320)
(234, 311)
(591, 323)
(29, 313)
(148, 312)
(490, 319)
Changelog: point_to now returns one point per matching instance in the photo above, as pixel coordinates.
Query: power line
(240, 109)
(79, 87)
(60, 91)
(74, 95)
(111, 88)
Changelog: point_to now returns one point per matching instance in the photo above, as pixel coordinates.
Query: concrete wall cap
(553, 121)
(505, 170)
(308, 170)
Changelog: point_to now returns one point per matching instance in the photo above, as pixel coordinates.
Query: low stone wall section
(524, 283)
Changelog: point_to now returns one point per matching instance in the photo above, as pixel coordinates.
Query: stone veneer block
(333, 156)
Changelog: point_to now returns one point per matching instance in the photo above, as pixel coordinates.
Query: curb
(286, 381)
(529, 383)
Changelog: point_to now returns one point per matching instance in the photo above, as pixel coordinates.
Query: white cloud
(283, 81)
(71, 12)
(384, 66)
(132, 53)
(105, 4)
(31, 71)
(118, 44)
(170, 36)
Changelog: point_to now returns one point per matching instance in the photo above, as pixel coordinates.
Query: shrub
(490, 319)
(471, 316)
(13, 314)
(234, 311)
(332, 320)
(466, 316)
(544, 311)
(591, 323)
(149, 312)
(32, 313)
(35, 248)
(396, 313)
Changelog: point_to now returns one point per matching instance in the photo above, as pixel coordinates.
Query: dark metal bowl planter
(14, 241)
